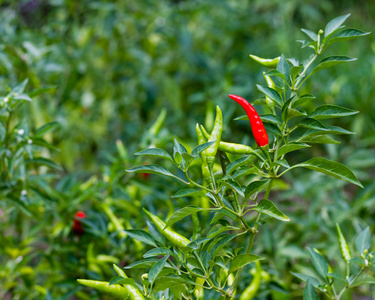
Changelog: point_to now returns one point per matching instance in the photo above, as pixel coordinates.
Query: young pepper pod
(172, 236)
(251, 291)
(260, 134)
(205, 170)
(231, 148)
(267, 62)
(211, 151)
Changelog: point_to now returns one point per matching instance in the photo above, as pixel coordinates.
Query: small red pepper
(260, 134)
(77, 225)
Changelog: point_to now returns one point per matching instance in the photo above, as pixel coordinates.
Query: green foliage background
(114, 66)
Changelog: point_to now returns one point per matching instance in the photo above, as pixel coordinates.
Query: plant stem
(247, 250)
(197, 184)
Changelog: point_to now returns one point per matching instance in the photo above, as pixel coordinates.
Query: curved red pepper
(256, 123)
(77, 225)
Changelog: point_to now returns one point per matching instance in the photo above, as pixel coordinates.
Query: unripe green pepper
(270, 84)
(251, 291)
(172, 236)
(344, 247)
(205, 170)
(210, 152)
(230, 147)
(269, 63)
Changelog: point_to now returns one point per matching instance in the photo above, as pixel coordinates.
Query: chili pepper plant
(238, 182)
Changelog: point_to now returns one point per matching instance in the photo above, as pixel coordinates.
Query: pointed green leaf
(186, 193)
(363, 240)
(141, 235)
(309, 292)
(319, 262)
(331, 168)
(334, 24)
(332, 61)
(331, 111)
(347, 34)
(271, 93)
(234, 185)
(197, 150)
(256, 187)
(156, 269)
(312, 124)
(155, 152)
(315, 282)
(312, 35)
(242, 260)
(267, 207)
(153, 169)
(303, 99)
(290, 147)
(284, 68)
(271, 128)
(182, 213)
(157, 252)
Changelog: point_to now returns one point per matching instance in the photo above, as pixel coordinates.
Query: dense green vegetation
(101, 73)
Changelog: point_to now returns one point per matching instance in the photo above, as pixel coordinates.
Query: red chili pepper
(256, 123)
(77, 225)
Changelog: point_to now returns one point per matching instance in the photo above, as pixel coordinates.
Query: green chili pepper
(114, 290)
(250, 292)
(230, 147)
(121, 292)
(344, 247)
(271, 104)
(175, 238)
(269, 63)
(155, 128)
(210, 152)
(205, 170)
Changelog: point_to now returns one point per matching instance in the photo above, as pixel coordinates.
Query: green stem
(247, 250)
(197, 184)
(301, 77)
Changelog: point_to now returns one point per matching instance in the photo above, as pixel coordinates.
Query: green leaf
(275, 73)
(156, 269)
(153, 169)
(40, 91)
(256, 187)
(234, 185)
(242, 260)
(331, 111)
(318, 139)
(284, 68)
(319, 262)
(267, 207)
(186, 193)
(331, 61)
(344, 247)
(122, 280)
(315, 282)
(23, 97)
(143, 264)
(363, 240)
(44, 162)
(312, 35)
(303, 99)
(290, 148)
(331, 168)
(237, 163)
(309, 292)
(46, 128)
(197, 150)
(271, 93)
(164, 282)
(221, 244)
(157, 252)
(141, 236)
(271, 119)
(271, 128)
(312, 124)
(182, 213)
(347, 34)
(334, 24)
(155, 152)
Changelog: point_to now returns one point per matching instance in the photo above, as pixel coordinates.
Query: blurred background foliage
(111, 68)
